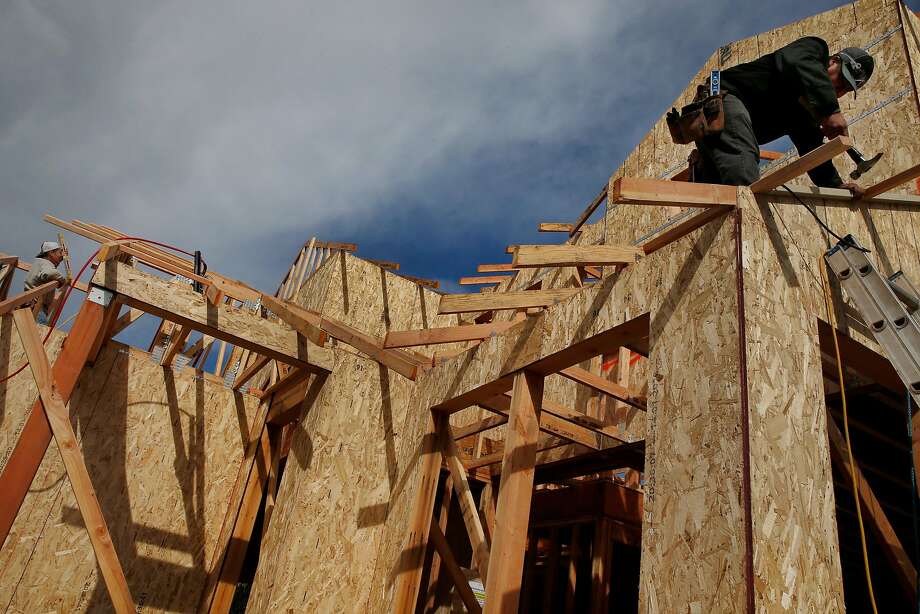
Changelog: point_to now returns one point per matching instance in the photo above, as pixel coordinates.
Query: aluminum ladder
(888, 307)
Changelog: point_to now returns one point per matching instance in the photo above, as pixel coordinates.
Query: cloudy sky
(431, 133)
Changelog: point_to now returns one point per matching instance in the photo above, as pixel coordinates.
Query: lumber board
(589, 210)
(600, 384)
(59, 422)
(179, 303)
(384, 264)
(484, 279)
(538, 256)
(802, 165)
(513, 511)
(642, 191)
(33, 440)
(250, 371)
(463, 303)
(892, 182)
(496, 268)
(479, 426)
(683, 228)
(453, 569)
(554, 227)
(478, 540)
(451, 334)
(28, 296)
(549, 423)
(839, 197)
(290, 314)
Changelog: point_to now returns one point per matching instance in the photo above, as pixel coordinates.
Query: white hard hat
(48, 246)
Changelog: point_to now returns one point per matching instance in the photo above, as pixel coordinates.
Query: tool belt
(702, 117)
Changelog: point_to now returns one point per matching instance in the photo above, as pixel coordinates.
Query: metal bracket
(100, 296)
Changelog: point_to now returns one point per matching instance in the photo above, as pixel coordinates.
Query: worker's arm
(803, 65)
(806, 136)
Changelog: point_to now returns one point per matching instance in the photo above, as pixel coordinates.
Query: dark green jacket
(770, 88)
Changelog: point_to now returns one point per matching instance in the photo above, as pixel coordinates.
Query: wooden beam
(766, 154)
(290, 314)
(463, 303)
(554, 227)
(894, 551)
(839, 197)
(478, 541)
(485, 279)
(601, 555)
(537, 256)
(625, 334)
(176, 345)
(545, 443)
(802, 165)
(8, 266)
(126, 319)
(549, 423)
(496, 268)
(602, 195)
(453, 569)
(605, 386)
(434, 570)
(892, 182)
(28, 296)
(59, 422)
(421, 281)
(249, 372)
(641, 191)
(449, 334)
(410, 565)
(477, 427)
(513, 514)
(241, 536)
(30, 447)
(179, 303)
(683, 228)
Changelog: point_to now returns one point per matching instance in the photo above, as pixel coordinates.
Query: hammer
(862, 165)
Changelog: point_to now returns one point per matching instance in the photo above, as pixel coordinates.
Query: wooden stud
(241, 535)
(176, 344)
(247, 374)
(513, 514)
(435, 567)
(463, 303)
(805, 163)
(450, 334)
(605, 386)
(59, 422)
(572, 585)
(27, 455)
(413, 555)
(8, 268)
(551, 568)
(453, 569)
(601, 553)
(538, 256)
(467, 503)
(293, 315)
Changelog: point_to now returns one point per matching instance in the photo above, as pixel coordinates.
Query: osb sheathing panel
(162, 449)
(796, 557)
(348, 488)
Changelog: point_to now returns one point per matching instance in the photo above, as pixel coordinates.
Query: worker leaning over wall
(792, 91)
(43, 270)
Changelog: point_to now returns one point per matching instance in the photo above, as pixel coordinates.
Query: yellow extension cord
(846, 430)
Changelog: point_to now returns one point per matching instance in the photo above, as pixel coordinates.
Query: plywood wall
(162, 448)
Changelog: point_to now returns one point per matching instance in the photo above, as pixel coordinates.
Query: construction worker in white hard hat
(43, 270)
